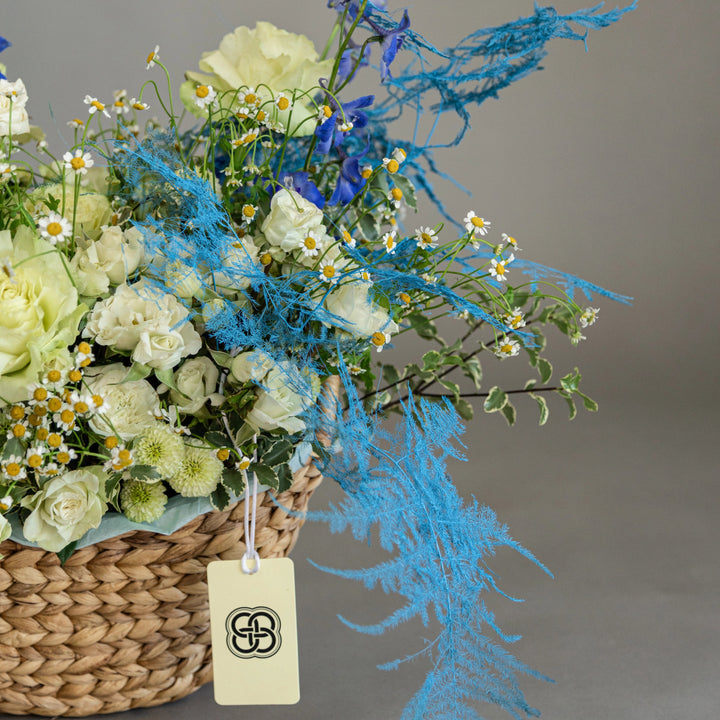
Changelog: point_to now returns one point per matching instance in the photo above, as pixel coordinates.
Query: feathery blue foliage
(397, 485)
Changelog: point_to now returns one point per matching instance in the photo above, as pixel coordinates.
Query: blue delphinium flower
(3, 44)
(348, 115)
(391, 42)
(350, 181)
(303, 186)
(354, 5)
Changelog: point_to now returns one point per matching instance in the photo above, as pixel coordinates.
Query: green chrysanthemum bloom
(160, 447)
(199, 473)
(142, 502)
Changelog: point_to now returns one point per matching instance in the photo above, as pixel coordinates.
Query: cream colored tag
(254, 633)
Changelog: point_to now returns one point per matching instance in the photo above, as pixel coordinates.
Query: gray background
(604, 165)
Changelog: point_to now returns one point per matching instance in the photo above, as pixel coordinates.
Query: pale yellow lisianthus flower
(66, 508)
(280, 60)
(39, 310)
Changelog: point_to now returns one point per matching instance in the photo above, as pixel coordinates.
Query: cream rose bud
(290, 220)
(268, 60)
(355, 311)
(92, 212)
(151, 324)
(5, 529)
(13, 115)
(196, 382)
(66, 508)
(130, 405)
(253, 365)
(240, 263)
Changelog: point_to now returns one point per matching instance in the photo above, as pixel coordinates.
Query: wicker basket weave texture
(125, 623)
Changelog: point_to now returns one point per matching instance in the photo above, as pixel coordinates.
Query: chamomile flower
(346, 127)
(152, 57)
(395, 196)
(389, 241)
(506, 347)
(13, 468)
(347, 238)
(75, 123)
(311, 244)
(5, 503)
(498, 268)
(35, 456)
(325, 112)
(120, 104)
(204, 96)
(79, 162)
(576, 337)
(245, 139)
(588, 317)
(511, 241)
(142, 502)
(198, 474)
(18, 429)
(250, 97)
(475, 224)
(426, 238)
(329, 272)
(65, 454)
(514, 319)
(366, 172)
(6, 171)
(355, 369)
(54, 228)
(95, 106)
(391, 165)
(83, 354)
(249, 212)
(243, 463)
(366, 277)
(65, 419)
(283, 102)
(380, 339)
(138, 104)
(404, 299)
(54, 379)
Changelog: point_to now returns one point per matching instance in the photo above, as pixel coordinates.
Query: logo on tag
(253, 632)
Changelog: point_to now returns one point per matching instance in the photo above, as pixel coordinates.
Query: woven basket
(125, 622)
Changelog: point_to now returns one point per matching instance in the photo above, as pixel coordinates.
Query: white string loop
(250, 551)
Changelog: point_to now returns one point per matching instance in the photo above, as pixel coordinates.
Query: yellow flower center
(67, 416)
(477, 222)
(250, 137)
(98, 400)
(54, 440)
(84, 348)
(506, 348)
(393, 166)
(266, 259)
(34, 461)
(328, 271)
(63, 458)
(248, 211)
(347, 237)
(500, 269)
(81, 407)
(426, 238)
(17, 412)
(260, 116)
(310, 244)
(202, 91)
(251, 98)
(77, 163)
(55, 228)
(404, 297)
(40, 410)
(12, 469)
(75, 376)
(54, 404)
(244, 464)
(40, 394)
(378, 339)
(283, 103)
(139, 106)
(124, 455)
(78, 122)
(42, 433)
(97, 105)
(119, 103)
(18, 431)
(111, 442)
(35, 420)
(150, 57)
(327, 111)
(366, 173)
(54, 376)
(223, 454)
(396, 193)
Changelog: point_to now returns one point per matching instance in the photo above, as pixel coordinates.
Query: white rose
(266, 56)
(5, 529)
(39, 311)
(13, 115)
(66, 508)
(196, 381)
(130, 405)
(355, 311)
(285, 394)
(92, 212)
(253, 365)
(240, 261)
(151, 324)
(290, 220)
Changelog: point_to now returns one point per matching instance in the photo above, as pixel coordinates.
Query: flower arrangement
(175, 294)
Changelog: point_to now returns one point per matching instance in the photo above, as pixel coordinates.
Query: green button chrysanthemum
(142, 502)
(199, 472)
(160, 447)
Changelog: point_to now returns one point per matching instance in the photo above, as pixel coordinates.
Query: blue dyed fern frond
(397, 486)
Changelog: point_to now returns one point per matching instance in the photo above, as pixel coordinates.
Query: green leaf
(473, 370)
(221, 359)
(369, 227)
(265, 475)
(138, 371)
(233, 479)
(13, 446)
(454, 388)
(66, 552)
(545, 369)
(414, 369)
(508, 410)
(542, 404)
(431, 360)
(571, 404)
(220, 497)
(278, 453)
(464, 408)
(453, 360)
(217, 439)
(168, 378)
(495, 400)
(285, 477)
(408, 190)
(589, 403)
(112, 483)
(424, 327)
(530, 384)
(390, 374)
(571, 381)
(144, 473)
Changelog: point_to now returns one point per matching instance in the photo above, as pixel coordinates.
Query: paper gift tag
(254, 633)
